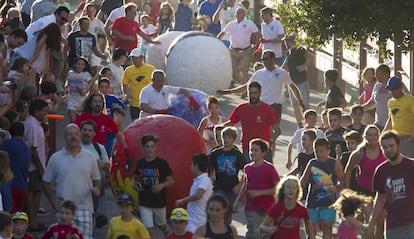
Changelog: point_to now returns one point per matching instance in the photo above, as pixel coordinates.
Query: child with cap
(64, 228)
(179, 221)
(20, 225)
(126, 224)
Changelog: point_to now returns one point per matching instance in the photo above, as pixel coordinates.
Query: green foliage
(353, 20)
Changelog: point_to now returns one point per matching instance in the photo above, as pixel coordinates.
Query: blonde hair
(6, 173)
(280, 194)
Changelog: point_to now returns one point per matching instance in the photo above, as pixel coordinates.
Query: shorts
(149, 216)
(304, 90)
(322, 213)
(84, 220)
(35, 183)
(278, 109)
(253, 221)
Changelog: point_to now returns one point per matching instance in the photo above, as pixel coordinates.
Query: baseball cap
(126, 198)
(393, 83)
(21, 216)
(136, 52)
(179, 214)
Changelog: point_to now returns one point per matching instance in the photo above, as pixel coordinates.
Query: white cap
(136, 52)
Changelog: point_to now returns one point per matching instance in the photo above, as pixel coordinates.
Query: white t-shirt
(91, 149)
(115, 81)
(228, 15)
(76, 81)
(149, 29)
(39, 24)
(240, 32)
(272, 31)
(197, 209)
(297, 137)
(272, 84)
(74, 176)
(157, 100)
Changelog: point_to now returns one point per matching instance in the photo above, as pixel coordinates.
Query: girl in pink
(347, 205)
(283, 217)
(368, 81)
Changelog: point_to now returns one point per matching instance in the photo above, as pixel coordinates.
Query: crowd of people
(92, 60)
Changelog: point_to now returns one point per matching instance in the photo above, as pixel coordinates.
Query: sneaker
(42, 212)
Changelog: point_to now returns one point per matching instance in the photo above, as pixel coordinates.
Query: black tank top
(227, 235)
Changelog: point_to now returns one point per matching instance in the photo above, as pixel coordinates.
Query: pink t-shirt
(288, 221)
(367, 169)
(260, 177)
(127, 28)
(255, 120)
(368, 91)
(345, 231)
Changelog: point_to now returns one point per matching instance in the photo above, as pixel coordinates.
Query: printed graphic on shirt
(227, 164)
(322, 183)
(149, 176)
(395, 189)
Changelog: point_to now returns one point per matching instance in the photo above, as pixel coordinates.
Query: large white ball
(200, 61)
(156, 53)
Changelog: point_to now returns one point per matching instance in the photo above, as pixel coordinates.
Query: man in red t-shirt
(93, 111)
(394, 185)
(125, 29)
(256, 118)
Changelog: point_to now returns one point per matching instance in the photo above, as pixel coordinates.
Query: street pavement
(228, 102)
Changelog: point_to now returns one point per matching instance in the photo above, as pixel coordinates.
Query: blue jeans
(254, 219)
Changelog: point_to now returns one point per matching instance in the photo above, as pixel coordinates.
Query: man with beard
(92, 110)
(256, 118)
(77, 178)
(394, 185)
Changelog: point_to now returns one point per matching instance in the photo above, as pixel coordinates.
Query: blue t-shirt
(20, 156)
(207, 8)
(109, 100)
(183, 18)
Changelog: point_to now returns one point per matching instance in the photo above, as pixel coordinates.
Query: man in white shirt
(226, 12)
(154, 97)
(240, 31)
(273, 34)
(60, 17)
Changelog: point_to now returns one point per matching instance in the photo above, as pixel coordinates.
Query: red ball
(178, 142)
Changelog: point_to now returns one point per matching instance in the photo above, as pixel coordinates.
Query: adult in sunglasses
(60, 17)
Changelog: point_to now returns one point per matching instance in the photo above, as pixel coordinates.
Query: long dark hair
(87, 103)
(54, 36)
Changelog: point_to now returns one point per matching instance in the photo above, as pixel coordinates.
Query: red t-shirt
(288, 221)
(397, 183)
(128, 28)
(260, 177)
(104, 124)
(26, 236)
(255, 120)
(187, 235)
(58, 231)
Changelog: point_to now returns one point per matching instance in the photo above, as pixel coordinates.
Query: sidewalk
(228, 102)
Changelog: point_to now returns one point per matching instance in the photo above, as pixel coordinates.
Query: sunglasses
(266, 58)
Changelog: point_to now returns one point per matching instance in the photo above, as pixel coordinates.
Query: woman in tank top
(367, 157)
(206, 127)
(216, 227)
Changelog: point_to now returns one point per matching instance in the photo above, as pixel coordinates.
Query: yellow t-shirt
(136, 78)
(401, 111)
(134, 229)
